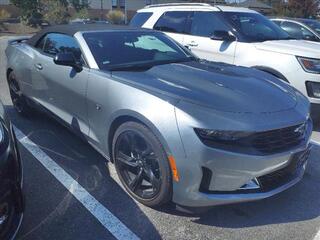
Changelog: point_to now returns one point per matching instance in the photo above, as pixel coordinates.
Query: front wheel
(142, 164)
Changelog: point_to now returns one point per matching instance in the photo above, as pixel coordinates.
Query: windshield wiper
(186, 59)
(131, 67)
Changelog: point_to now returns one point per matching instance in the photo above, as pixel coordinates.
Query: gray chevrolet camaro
(177, 128)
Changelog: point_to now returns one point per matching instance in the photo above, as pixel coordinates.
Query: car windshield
(134, 50)
(254, 27)
(313, 24)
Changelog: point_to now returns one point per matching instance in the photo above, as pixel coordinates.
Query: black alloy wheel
(142, 165)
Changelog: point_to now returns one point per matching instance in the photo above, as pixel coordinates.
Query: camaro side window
(205, 23)
(175, 22)
(56, 43)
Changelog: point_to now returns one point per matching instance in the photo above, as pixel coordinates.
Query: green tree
(116, 16)
(82, 13)
(55, 12)
(28, 8)
(79, 5)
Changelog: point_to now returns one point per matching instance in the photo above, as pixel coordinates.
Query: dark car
(88, 21)
(11, 200)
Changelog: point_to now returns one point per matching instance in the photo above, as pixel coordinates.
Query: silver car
(300, 28)
(177, 128)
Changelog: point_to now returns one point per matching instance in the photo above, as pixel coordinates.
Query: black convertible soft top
(72, 29)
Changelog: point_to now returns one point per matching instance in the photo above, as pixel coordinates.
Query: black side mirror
(67, 59)
(223, 36)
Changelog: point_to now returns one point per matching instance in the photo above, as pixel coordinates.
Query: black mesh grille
(264, 143)
(278, 178)
(279, 140)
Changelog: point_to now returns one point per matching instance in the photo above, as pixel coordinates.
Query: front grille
(280, 140)
(264, 143)
(280, 177)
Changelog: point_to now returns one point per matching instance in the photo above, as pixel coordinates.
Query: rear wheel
(142, 164)
(18, 100)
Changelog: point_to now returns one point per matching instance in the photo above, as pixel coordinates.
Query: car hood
(292, 47)
(219, 86)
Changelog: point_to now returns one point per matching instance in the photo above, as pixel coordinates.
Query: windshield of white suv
(254, 27)
(313, 24)
(133, 50)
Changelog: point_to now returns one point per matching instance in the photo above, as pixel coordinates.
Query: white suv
(239, 36)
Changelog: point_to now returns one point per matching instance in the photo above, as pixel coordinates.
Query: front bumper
(207, 199)
(231, 171)
(226, 183)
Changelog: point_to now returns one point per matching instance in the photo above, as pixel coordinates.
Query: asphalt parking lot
(82, 198)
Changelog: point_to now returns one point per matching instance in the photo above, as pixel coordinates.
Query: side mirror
(67, 59)
(223, 36)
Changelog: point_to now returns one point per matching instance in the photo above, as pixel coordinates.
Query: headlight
(235, 141)
(221, 136)
(310, 65)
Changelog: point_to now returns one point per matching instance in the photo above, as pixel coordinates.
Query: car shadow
(86, 166)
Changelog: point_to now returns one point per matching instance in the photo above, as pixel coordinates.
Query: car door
(203, 24)
(174, 24)
(61, 89)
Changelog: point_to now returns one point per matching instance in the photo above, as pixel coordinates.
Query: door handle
(192, 44)
(38, 66)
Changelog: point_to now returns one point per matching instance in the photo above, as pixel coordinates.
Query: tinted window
(114, 49)
(277, 22)
(139, 19)
(56, 43)
(293, 29)
(175, 22)
(297, 31)
(205, 23)
(254, 27)
(313, 24)
(40, 44)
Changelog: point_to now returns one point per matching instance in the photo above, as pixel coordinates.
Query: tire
(18, 100)
(141, 161)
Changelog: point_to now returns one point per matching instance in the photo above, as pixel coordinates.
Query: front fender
(118, 117)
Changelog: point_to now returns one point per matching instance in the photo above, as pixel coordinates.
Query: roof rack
(178, 4)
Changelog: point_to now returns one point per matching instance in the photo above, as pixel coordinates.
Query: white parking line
(102, 214)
